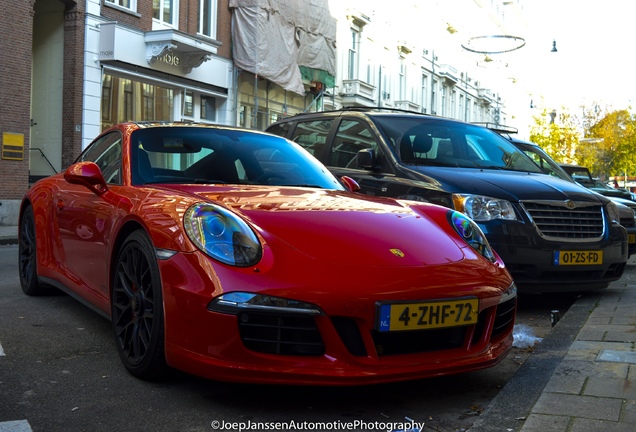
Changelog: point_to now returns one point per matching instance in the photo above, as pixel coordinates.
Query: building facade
(76, 67)
(386, 59)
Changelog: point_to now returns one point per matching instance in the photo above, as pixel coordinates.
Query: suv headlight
(482, 208)
(612, 211)
(222, 235)
(470, 232)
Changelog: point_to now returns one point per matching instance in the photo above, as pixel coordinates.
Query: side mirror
(366, 158)
(350, 184)
(87, 174)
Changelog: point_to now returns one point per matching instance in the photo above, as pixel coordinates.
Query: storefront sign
(171, 59)
(12, 146)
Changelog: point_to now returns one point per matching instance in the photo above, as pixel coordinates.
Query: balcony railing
(359, 88)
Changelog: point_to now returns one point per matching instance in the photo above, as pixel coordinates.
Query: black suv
(582, 175)
(553, 235)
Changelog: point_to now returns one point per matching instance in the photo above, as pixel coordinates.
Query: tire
(137, 308)
(27, 256)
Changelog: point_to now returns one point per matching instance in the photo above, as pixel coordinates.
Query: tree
(557, 134)
(616, 146)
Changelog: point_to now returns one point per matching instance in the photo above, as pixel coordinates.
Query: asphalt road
(60, 372)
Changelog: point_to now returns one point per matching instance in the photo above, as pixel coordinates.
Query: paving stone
(588, 407)
(542, 423)
(572, 384)
(629, 413)
(620, 336)
(620, 356)
(612, 388)
(631, 374)
(600, 369)
(604, 312)
(588, 350)
(599, 321)
(624, 320)
(586, 425)
(592, 333)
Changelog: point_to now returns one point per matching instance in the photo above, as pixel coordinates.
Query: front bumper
(530, 258)
(339, 347)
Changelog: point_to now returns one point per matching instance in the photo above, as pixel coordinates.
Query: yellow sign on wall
(12, 146)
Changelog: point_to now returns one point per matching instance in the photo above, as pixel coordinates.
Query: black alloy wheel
(27, 255)
(137, 308)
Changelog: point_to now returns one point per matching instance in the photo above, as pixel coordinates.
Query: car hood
(334, 226)
(509, 185)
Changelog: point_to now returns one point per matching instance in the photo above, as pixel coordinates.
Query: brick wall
(72, 103)
(15, 91)
(223, 29)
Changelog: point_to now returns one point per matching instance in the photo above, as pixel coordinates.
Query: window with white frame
(444, 100)
(166, 12)
(370, 72)
(352, 71)
(126, 4)
(424, 92)
(402, 83)
(207, 17)
(434, 97)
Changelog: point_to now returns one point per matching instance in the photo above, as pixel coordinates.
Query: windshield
(430, 141)
(209, 155)
(547, 164)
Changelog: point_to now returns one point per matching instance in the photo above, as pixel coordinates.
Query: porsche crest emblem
(397, 253)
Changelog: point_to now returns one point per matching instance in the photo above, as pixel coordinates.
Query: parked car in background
(552, 234)
(234, 255)
(626, 208)
(582, 175)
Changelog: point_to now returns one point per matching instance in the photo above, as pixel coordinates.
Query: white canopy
(273, 38)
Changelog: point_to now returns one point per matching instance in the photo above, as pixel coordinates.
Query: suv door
(337, 142)
(349, 138)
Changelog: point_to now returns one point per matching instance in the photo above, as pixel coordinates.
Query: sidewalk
(8, 235)
(582, 376)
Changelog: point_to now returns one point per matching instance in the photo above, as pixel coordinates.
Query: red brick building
(71, 68)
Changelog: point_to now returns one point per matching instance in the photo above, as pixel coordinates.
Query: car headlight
(612, 211)
(235, 302)
(222, 235)
(483, 208)
(472, 234)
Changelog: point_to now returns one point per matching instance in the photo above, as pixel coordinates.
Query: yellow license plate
(631, 238)
(427, 315)
(582, 257)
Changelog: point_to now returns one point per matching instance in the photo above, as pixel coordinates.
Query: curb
(513, 404)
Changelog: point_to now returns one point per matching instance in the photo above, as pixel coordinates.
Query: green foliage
(615, 153)
(558, 138)
(605, 142)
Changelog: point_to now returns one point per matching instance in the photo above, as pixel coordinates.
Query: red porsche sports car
(234, 255)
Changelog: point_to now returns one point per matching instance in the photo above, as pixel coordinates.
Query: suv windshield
(428, 141)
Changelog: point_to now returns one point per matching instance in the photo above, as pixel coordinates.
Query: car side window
(280, 129)
(351, 137)
(106, 153)
(312, 136)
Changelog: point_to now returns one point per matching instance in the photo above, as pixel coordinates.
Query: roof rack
(502, 129)
(362, 108)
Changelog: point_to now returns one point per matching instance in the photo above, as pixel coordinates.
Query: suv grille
(555, 220)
